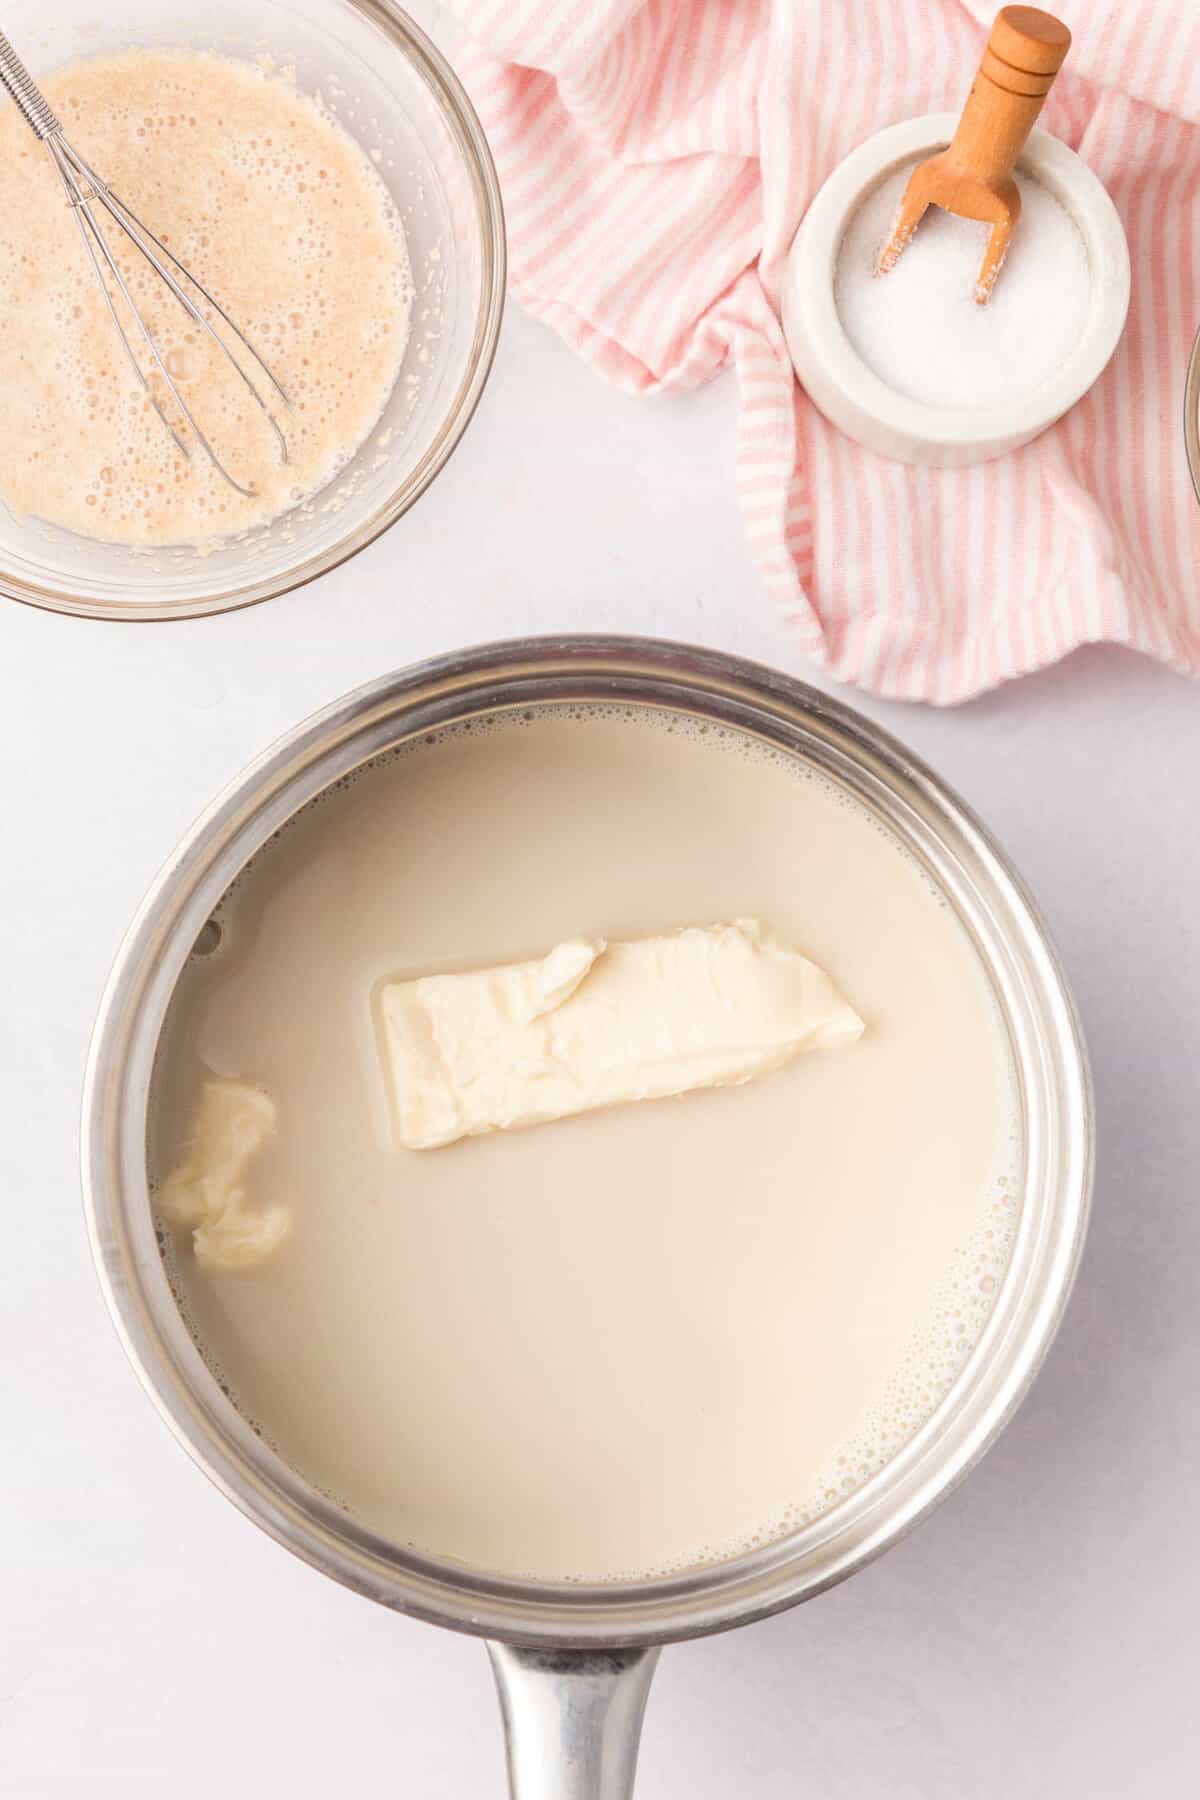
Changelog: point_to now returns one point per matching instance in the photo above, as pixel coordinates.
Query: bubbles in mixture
(288, 224)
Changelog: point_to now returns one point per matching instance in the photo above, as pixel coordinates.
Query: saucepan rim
(939, 829)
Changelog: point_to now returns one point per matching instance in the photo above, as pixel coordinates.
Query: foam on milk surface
(280, 214)
(919, 328)
(644, 1339)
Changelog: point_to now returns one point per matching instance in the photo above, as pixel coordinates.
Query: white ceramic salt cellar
(854, 397)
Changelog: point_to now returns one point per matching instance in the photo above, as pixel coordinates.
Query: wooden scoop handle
(1024, 53)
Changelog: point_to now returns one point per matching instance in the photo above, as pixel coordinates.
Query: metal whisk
(85, 190)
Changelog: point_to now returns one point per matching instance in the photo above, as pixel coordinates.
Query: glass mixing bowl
(396, 94)
(1191, 414)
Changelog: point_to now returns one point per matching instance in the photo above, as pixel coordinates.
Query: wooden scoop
(974, 178)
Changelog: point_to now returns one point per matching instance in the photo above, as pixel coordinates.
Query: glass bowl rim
(1191, 414)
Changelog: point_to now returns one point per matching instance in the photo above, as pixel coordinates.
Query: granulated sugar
(920, 329)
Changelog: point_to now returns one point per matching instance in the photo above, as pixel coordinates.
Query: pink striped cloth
(656, 157)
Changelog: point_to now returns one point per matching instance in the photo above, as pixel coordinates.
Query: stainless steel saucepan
(573, 1663)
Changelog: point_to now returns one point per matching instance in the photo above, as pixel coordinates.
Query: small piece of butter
(205, 1194)
(595, 1024)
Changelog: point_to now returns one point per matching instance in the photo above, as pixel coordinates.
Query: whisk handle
(28, 97)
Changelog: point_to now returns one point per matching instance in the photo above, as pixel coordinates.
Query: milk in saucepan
(640, 1338)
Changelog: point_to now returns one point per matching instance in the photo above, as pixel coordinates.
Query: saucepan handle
(572, 1720)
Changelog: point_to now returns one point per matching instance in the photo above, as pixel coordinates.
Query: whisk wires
(84, 190)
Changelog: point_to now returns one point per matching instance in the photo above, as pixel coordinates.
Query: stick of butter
(595, 1024)
(206, 1196)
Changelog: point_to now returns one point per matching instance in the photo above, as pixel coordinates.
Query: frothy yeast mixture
(281, 216)
(639, 1338)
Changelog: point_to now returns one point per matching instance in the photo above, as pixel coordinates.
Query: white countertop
(1038, 1636)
